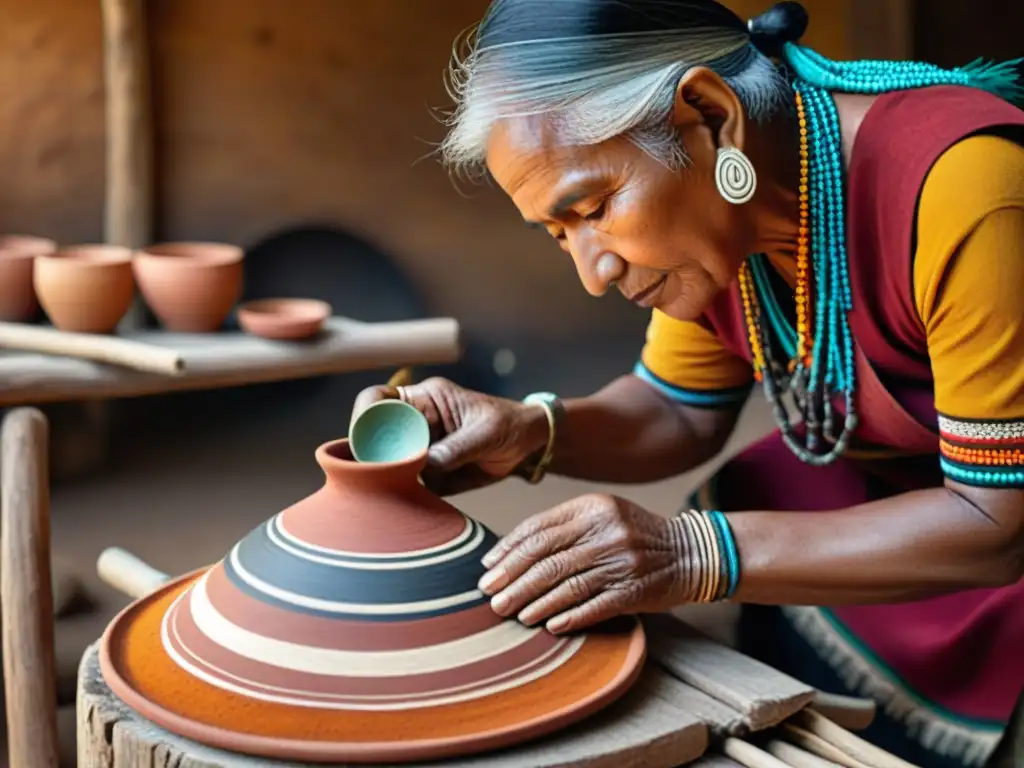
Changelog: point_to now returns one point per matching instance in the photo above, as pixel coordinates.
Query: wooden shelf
(231, 358)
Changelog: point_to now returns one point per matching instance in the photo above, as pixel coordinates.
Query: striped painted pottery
(350, 628)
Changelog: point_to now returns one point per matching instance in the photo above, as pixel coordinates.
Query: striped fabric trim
(986, 453)
(710, 398)
(864, 674)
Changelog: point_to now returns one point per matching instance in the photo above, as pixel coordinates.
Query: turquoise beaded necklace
(831, 374)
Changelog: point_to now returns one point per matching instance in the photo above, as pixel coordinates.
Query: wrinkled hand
(586, 561)
(476, 439)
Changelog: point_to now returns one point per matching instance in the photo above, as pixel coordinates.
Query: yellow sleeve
(969, 292)
(689, 364)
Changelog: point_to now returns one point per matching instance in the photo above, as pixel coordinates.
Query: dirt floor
(180, 504)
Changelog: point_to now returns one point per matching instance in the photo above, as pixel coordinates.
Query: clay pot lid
(349, 628)
(283, 318)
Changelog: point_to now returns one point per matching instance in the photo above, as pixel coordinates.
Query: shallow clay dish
(18, 301)
(284, 319)
(191, 287)
(349, 628)
(85, 288)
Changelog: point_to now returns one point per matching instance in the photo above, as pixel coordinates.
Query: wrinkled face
(665, 239)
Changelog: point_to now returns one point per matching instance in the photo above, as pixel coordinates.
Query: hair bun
(782, 23)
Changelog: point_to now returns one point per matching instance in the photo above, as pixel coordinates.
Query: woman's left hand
(587, 560)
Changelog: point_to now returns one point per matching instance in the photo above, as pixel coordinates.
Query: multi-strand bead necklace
(821, 369)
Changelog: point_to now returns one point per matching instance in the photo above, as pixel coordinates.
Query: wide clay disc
(230, 702)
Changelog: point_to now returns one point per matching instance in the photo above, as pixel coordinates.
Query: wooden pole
(129, 189)
(26, 600)
(128, 207)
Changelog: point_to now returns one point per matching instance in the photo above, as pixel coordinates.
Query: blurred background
(303, 131)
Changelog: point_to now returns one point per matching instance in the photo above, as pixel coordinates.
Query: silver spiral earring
(735, 176)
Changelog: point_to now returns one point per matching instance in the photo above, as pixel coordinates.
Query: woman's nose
(600, 271)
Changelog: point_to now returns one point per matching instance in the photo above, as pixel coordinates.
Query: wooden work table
(228, 359)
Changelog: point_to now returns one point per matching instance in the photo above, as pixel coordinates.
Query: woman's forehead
(527, 157)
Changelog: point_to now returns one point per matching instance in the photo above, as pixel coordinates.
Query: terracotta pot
(85, 288)
(18, 301)
(191, 287)
(283, 319)
(349, 628)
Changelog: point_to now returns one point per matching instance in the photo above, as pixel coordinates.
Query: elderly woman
(847, 236)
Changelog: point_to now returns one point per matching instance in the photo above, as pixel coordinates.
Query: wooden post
(26, 601)
(128, 213)
(129, 195)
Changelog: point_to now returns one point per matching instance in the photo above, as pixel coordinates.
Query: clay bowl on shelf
(283, 319)
(191, 287)
(18, 301)
(85, 288)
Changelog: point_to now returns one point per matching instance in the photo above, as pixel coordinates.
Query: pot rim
(25, 246)
(192, 254)
(90, 255)
(327, 458)
(293, 309)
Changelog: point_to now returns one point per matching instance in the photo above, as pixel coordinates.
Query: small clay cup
(18, 302)
(284, 319)
(389, 431)
(191, 287)
(85, 288)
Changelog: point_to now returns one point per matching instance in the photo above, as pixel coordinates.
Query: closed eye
(598, 212)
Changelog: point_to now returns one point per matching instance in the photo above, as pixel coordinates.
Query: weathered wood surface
(653, 726)
(763, 696)
(26, 598)
(232, 359)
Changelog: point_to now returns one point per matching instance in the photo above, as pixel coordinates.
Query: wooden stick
(112, 350)
(819, 746)
(747, 754)
(851, 744)
(797, 757)
(851, 713)
(129, 192)
(128, 574)
(26, 599)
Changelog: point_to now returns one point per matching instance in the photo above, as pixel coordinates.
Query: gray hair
(597, 87)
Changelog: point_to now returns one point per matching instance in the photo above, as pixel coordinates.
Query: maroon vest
(900, 139)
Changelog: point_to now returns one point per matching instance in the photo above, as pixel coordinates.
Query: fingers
(533, 568)
(470, 443)
(528, 529)
(604, 606)
(538, 597)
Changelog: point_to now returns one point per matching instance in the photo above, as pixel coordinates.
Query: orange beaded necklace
(751, 306)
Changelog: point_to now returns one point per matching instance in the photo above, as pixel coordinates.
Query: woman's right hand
(476, 439)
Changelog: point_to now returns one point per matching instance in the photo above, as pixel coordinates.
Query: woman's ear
(705, 102)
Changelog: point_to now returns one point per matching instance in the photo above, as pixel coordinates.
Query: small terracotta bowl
(18, 301)
(191, 287)
(85, 288)
(283, 319)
